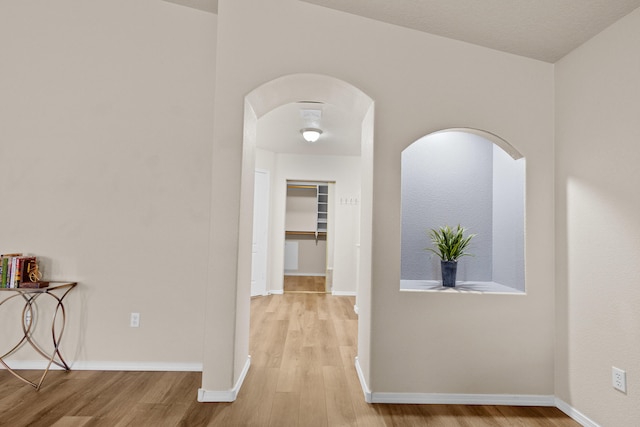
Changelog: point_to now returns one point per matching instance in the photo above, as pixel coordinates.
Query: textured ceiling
(206, 5)
(540, 29)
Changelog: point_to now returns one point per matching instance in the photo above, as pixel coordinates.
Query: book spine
(3, 272)
(12, 277)
(28, 267)
(7, 271)
(16, 280)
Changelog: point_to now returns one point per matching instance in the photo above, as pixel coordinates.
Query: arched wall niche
(473, 178)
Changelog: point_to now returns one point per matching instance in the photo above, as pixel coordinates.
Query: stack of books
(19, 271)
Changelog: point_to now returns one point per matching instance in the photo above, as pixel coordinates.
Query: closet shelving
(323, 208)
(319, 216)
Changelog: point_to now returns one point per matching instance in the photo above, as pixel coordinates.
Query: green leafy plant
(450, 243)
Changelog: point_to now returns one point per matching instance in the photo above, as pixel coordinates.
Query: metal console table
(56, 290)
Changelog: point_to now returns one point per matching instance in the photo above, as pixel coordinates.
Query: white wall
(464, 85)
(301, 210)
(598, 233)
(311, 257)
(106, 116)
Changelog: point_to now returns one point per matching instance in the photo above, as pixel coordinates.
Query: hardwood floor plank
(156, 414)
(270, 350)
(286, 306)
(322, 306)
(405, 415)
(288, 380)
(69, 421)
(273, 304)
(170, 388)
(313, 408)
(535, 416)
(297, 314)
(206, 415)
(438, 415)
(58, 397)
(344, 330)
(286, 410)
(311, 284)
(254, 404)
(339, 408)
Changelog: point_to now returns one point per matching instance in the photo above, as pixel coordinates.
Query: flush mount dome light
(311, 134)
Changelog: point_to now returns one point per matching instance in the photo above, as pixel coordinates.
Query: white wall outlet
(619, 378)
(135, 320)
(27, 318)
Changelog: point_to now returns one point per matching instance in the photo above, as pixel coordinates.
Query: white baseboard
(369, 396)
(276, 292)
(343, 293)
(450, 399)
(297, 273)
(575, 414)
(363, 382)
(463, 399)
(109, 366)
(225, 395)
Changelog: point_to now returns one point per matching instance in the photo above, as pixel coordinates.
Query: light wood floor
(302, 374)
(304, 284)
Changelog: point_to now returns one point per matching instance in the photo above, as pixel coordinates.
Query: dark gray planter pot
(449, 269)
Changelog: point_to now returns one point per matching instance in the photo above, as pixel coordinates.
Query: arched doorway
(278, 92)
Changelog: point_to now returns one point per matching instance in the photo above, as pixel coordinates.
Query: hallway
(302, 345)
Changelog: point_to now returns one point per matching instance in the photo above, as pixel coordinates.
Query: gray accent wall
(508, 219)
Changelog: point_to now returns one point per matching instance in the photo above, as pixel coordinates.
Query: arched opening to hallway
(351, 258)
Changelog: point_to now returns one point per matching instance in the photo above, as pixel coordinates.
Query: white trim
(297, 273)
(462, 287)
(276, 292)
(363, 382)
(369, 397)
(463, 399)
(110, 366)
(508, 148)
(225, 395)
(356, 310)
(575, 414)
(343, 293)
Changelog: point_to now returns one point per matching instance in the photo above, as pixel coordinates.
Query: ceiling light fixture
(311, 134)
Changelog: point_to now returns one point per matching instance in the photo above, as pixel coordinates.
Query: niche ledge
(469, 287)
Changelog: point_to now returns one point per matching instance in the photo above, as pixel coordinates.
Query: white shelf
(469, 287)
(322, 197)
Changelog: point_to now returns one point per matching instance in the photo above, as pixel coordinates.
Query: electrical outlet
(619, 378)
(135, 320)
(27, 318)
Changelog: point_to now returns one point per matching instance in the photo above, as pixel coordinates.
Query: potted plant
(450, 244)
